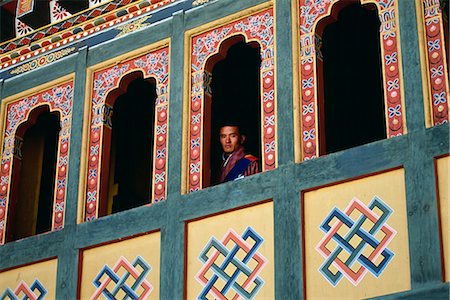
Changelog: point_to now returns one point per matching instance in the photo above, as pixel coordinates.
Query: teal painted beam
(435, 291)
(31, 249)
(423, 228)
(423, 224)
(68, 258)
(76, 134)
(121, 225)
(172, 233)
(39, 76)
(284, 91)
(176, 103)
(1, 89)
(288, 239)
(135, 40)
(67, 272)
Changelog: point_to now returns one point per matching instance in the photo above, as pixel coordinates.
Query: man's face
(230, 138)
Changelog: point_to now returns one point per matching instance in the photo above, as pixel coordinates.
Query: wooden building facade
(110, 112)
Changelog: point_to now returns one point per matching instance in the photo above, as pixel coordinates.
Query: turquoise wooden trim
(414, 152)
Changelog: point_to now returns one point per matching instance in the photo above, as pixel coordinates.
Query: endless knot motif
(23, 291)
(115, 283)
(357, 248)
(231, 266)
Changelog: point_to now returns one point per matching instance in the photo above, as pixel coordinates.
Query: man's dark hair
(232, 122)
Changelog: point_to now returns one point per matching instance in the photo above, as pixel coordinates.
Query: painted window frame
(58, 96)
(255, 25)
(153, 61)
(434, 62)
(309, 15)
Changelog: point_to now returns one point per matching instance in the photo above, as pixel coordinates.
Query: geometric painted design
(356, 241)
(437, 68)
(78, 27)
(260, 28)
(57, 12)
(199, 2)
(57, 98)
(23, 291)
(136, 25)
(311, 12)
(231, 267)
(22, 28)
(24, 7)
(115, 283)
(42, 61)
(156, 65)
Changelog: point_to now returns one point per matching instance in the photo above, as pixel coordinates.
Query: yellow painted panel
(443, 169)
(257, 220)
(330, 270)
(31, 279)
(126, 259)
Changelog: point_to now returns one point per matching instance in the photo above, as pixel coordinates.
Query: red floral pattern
(311, 12)
(258, 27)
(437, 61)
(58, 98)
(154, 64)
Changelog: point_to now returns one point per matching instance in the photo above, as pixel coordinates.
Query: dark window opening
(74, 7)
(33, 175)
(131, 147)
(7, 22)
(352, 109)
(236, 92)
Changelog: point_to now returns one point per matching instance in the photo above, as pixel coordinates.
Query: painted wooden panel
(129, 268)
(35, 281)
(230, 256)
(82, 25)
(356, 238)
(443, 169)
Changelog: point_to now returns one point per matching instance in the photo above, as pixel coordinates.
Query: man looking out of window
(236, 164)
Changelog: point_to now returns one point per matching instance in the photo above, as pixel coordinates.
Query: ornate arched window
(128, 145)
(254, 32)
(232, 94)
(33, 175)
(35, 156)
(313, 20)
(133, 97)
(350, 89)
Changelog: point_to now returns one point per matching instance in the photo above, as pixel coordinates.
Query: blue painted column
(423, 229)
(172, 234)
(287, 211)
(68, 257)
